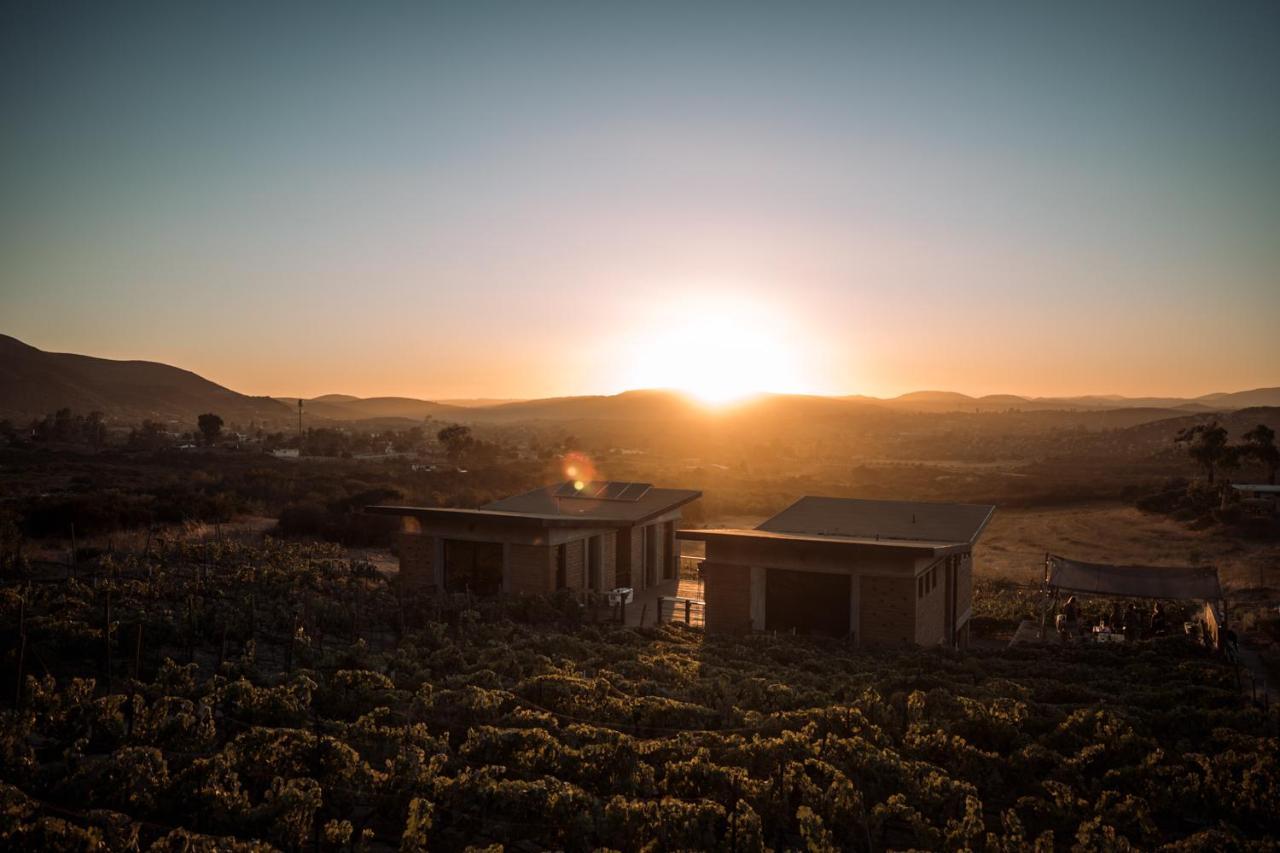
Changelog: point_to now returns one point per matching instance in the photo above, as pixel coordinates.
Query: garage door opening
(807, 602)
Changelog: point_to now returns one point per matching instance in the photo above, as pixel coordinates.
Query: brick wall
(417, 559)
(887, 610)
(531, 569)
(727, 591)
(608, 568)
(637, 558)
(575, 567)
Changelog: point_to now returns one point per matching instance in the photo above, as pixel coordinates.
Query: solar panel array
(606, 490)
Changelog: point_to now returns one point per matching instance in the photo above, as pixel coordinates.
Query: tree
(1206, 444)
(457, 441)
(210, 427)
(1260, 444)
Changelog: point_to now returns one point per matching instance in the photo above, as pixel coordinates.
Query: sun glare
(719, 351)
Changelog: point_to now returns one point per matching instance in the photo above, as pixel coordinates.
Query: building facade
(579, 536)
(878, 572)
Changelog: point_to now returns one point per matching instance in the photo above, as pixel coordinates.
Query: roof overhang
(460, 515)
(904, 547)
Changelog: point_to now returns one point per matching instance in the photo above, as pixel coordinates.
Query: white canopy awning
(1172, 582)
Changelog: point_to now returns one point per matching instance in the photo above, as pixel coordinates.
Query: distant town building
(285, 453)
(593, 536)
(879, 572)
(1260, 498)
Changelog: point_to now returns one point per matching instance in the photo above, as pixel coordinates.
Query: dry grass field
(1014, 544)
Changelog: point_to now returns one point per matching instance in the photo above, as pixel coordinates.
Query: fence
(685, 611)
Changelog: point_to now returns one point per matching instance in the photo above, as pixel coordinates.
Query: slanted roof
(562, 505)
(633, 502)
(921, 521)
(1171, 582)
(902, 546)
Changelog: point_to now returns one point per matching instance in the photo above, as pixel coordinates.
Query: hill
(34, 383)
(342, 407)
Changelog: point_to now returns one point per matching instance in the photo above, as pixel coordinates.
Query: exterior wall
(637, 558)
(931, 613)
(575, 566)
(417, 559)
(608, 566)
(964, 588)
(531, 569)
(728, 597)
(888, 610)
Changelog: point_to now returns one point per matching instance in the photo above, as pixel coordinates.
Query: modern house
(879, 572)
(593, 536)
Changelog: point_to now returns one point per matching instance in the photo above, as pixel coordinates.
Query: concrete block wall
(887, 610)
(417, 559)
(728, 597)
(931, 611)
(575, 566)
(964, 584)
(609, 560)
(637, 558)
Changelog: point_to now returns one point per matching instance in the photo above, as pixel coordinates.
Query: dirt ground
(1015, 542)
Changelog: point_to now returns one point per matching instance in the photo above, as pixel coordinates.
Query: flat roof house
(881, 572)
(592, 536)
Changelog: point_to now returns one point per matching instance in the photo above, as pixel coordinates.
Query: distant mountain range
(34, 383)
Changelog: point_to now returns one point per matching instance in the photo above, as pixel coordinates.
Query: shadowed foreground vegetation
(278, 695)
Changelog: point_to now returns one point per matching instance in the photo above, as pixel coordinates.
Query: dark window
(561, 567)
(474, 567)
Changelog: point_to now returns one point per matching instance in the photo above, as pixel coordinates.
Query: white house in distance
(879, 572)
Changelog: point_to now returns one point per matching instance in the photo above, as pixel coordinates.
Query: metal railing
(684, 611)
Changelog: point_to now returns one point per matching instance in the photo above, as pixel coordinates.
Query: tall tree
(210, 427)
(457, 441)
(1260, 444)
(1206, 444)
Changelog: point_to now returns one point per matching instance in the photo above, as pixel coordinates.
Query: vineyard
(253, 696)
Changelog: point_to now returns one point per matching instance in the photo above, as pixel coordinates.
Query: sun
(720, 351)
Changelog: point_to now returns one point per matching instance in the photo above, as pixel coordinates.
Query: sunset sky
(536, 199)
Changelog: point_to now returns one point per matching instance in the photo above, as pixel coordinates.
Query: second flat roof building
(881, 572)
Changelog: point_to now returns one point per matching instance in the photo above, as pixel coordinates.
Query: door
(807, 602)
(474, 567)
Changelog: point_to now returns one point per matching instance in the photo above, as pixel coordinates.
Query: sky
(540, 199)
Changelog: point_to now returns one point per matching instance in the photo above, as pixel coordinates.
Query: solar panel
(607, 490)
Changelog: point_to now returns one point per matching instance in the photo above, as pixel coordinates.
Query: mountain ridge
(34, 382)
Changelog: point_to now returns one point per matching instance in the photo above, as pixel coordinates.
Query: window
(562, 560)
